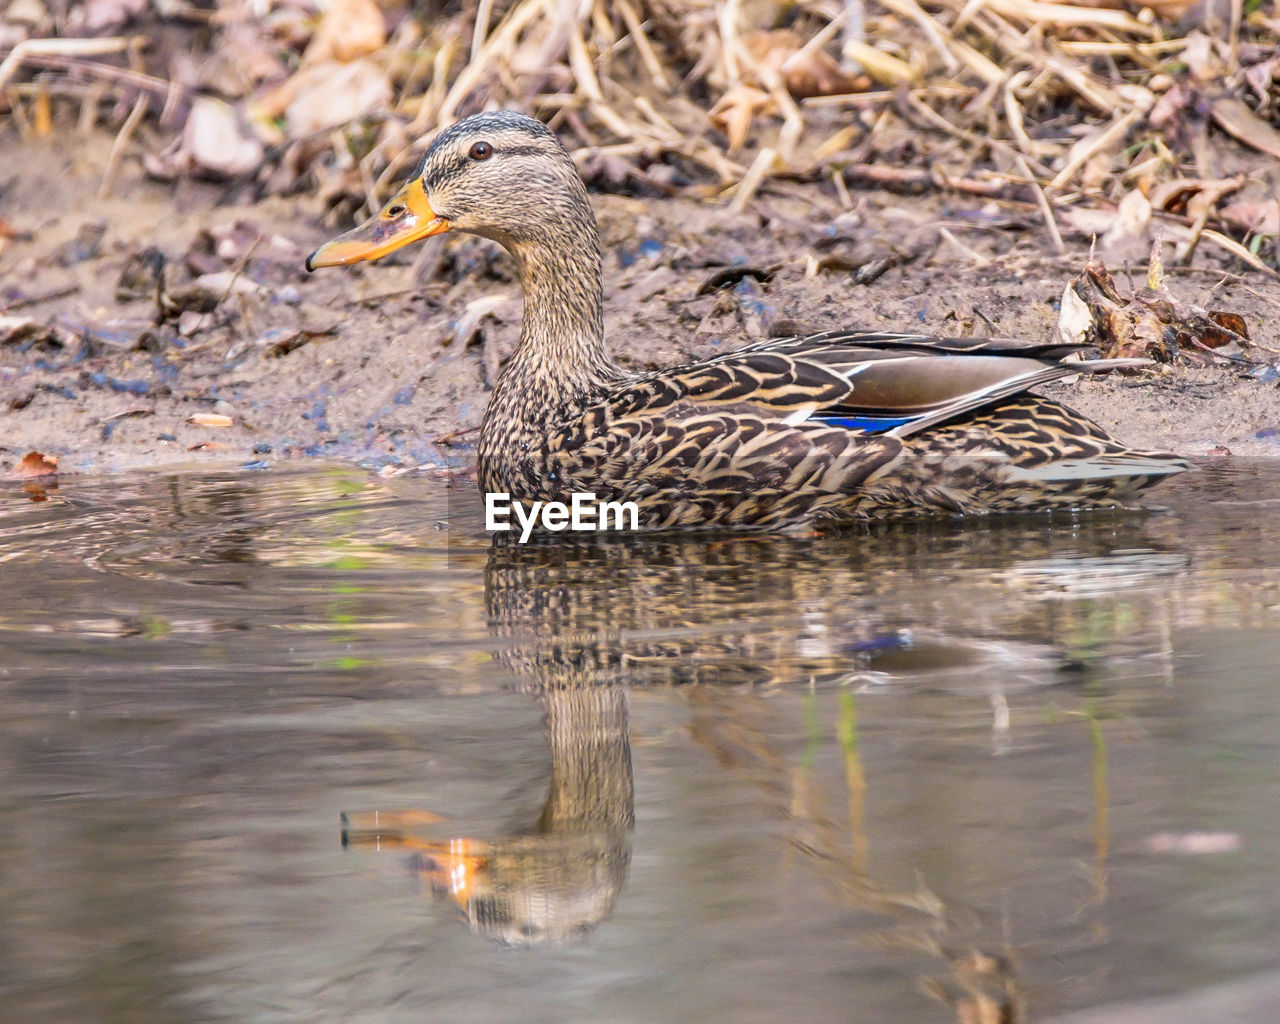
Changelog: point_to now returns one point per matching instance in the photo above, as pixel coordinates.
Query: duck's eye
(395, 211)
(480, 151)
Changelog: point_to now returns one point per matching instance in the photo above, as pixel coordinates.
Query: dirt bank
(391, 364)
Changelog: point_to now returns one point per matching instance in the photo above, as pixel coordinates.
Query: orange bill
(457, 868)
(406, 218)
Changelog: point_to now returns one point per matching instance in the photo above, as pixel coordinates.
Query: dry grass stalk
(647, 54)
(938, 39)
(1107, 48)
(120, 143)
(986, 69)
(1239, 252)
(1014, 117)
(501, 44)
(973, 255)
(484, 11)
(881, 66)
(68, 48)
(756, 173)
(1046, 211)
(693, 83)
(936, 119)
(1098, 142)
(1036, 12)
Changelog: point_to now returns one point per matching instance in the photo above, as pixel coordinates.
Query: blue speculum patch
(866, 424)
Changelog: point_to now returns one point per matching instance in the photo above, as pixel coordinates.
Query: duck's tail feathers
(1141, 466)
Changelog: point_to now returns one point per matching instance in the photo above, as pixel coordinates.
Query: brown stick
(60, 62)
(916, 178)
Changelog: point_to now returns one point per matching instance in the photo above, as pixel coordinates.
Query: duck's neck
(561, 356)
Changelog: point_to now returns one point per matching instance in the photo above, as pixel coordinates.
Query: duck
(844, 424)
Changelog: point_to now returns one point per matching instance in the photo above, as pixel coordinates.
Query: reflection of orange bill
(373, 821)
(452, 866)
(406, 218)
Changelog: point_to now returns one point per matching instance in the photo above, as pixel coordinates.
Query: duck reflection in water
(559, 879)
(580, 619)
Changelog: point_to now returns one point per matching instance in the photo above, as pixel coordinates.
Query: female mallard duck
(843, 424)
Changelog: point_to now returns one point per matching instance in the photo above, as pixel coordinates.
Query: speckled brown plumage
(843, 424)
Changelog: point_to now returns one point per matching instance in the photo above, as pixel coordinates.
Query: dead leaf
(1153, 323)
(1261, 218)
(244, 57)
(86, 244)
(280, 341)
(1168, 110)
(1259, 77)
(30, 14)
(1085, 221)
(102, 17)
(1201, 59)
(1233, 322)
(141, 410)
(805, 74)
(210, 419)
(324, 96)
(35, 464)
(23, 330)
(217, 140)
(8, 233)
(191, 297)
(728, 277)
(1192, 196)
(349, 29)
(1074, 318)
(735, 110)
(1235, 118)
(1129, 226)
(142, 276)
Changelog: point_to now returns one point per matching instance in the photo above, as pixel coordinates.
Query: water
(302, 746)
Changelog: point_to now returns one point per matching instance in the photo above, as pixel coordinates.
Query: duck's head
(501, 175)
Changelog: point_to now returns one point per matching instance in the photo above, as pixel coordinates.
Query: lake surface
(306, 746)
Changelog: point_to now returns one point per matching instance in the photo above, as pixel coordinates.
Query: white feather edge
(1095, 469)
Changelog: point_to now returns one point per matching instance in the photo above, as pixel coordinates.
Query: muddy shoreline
(391, 365)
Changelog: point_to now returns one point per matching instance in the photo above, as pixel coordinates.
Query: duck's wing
(890, 343)
(731, 442)
(773, 384)
(898, 383)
